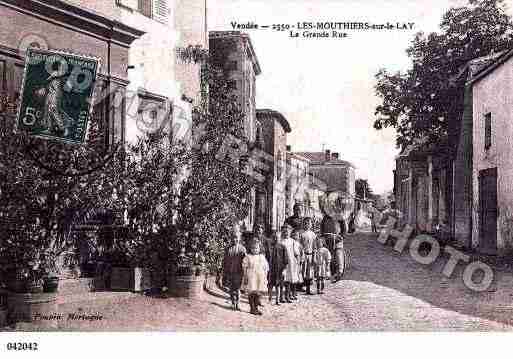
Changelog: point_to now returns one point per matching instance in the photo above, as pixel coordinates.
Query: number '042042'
(22, 346)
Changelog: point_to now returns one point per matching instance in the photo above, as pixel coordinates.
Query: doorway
(488, 211)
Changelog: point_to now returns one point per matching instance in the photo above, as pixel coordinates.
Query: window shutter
(161, 11)
(145, 7)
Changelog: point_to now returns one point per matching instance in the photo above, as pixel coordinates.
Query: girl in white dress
(255, 268)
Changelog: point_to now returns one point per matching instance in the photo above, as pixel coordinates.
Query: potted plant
(31, 280)
(40, 190)
(143, 179)
(215, 191)
(130, 267)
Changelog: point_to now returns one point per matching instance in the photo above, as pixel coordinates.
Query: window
(488, 130)
(155, 9)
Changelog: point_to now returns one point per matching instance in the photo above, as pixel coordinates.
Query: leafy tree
(426, 101)
(215, 193)
(184, 196)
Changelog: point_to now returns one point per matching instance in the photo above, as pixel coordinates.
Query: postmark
(56, 95)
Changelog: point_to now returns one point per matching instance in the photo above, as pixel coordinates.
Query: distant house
(330, 173)
(337, 174)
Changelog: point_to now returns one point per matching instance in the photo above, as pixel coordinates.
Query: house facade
(492, 175)
(274, 128)
(159, 81)
(135, 41)
(66, 26)
(435, 185)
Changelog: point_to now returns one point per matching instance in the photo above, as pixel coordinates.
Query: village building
(59, 25)
(274, 128)
(492, 163)
(233, 52)
(434, 187)
(159, 80)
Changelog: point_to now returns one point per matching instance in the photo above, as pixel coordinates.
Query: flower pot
(186, 286)
(29, 307)
(51, 285)
(130, 279)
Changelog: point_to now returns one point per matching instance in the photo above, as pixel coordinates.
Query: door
(488, 211)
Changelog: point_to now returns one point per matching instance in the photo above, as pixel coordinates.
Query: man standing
(296, 220)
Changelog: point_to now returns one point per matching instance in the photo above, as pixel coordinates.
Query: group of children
(284, 264)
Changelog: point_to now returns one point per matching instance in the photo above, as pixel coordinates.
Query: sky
(325, 87)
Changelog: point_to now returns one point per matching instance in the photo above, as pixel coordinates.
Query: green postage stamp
(57, 95)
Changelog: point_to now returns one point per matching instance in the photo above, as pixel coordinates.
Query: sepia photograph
(262, 166)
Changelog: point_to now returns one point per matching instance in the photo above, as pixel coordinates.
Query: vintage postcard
(255, 166)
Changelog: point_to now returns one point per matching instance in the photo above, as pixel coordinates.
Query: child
(298, 254)
(277, 260)
(232, 266)
(308, 241)
(292, 266)
(255, 275)
(322, 266)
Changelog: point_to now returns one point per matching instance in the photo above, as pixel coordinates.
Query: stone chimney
(334, 156)
(328, 155)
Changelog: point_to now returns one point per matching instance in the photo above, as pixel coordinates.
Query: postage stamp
(56, 95)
